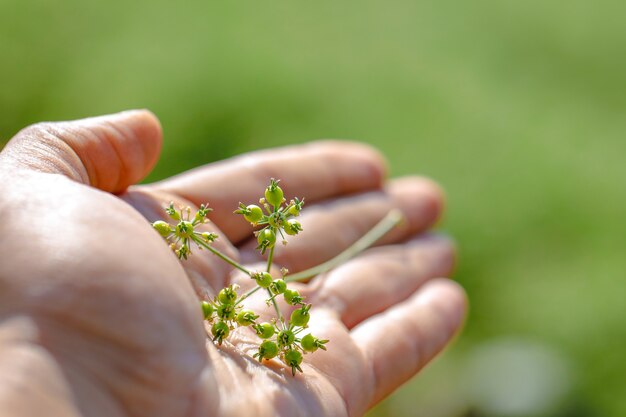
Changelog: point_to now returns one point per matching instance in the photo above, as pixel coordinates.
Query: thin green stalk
(248, 294)
(391, 220)
(270, 258)
(222, 256)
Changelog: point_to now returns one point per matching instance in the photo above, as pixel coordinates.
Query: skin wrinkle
(417, 348)
(333, 297)
(72, 371)
(253, 166)
(234, 367)
(108, 338)
(342, 398)
(199, 283)
(340, 181)
(377, 373)
(150, 148)
(102, 136)
(85, 143)
(338, 391)
(41, 143)
(327, 318)
(370, 388)
(202, 405)
(217, 359)
(70, 132)
(14, 381)
(115, 159)
(294, 396)
(126, 139)
(62, 148)
(343, 393)
(296, 400)
(412, 259)
(35, 340)
(50, 161)
(278, 376)
(320, 156)
(127, 368)
(65, 313)
(328, 159)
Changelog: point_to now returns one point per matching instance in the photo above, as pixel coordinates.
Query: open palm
(99, 318)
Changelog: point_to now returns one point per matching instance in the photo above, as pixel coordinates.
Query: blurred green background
(517, 108)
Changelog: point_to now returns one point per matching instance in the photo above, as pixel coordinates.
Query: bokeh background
(517, 108)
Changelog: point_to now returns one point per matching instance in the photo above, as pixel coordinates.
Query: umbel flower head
(182, 234)
(279, 338)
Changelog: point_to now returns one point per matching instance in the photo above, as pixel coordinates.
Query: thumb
(108, 152)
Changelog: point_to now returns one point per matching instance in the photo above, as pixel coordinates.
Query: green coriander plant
(275, 217)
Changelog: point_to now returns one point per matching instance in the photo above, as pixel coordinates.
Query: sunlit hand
(99, 318)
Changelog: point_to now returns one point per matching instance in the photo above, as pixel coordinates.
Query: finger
(343, 364)
(400, 341)
(316, 171)
(382, 277)
(108, 152)
(207, 273)
(329, 228)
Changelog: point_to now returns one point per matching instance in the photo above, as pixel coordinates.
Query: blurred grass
(517, 108)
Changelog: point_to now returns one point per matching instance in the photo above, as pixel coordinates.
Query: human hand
(99, 318)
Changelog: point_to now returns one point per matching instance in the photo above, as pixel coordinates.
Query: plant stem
(270, 258)
(248, 294)
(224, 257)
(391, 220)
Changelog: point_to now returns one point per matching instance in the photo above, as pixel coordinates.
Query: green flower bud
(264, 330)
(207, 310)
(162, 227)
(292, 227)
(184, 229)
(246, 317)
(263, 279)
(267, 350)
(293, 358)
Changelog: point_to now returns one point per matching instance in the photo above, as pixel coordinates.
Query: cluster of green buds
(224, 313)
(277, 218)
(280, 338)
(181, 235)
(286, 342)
